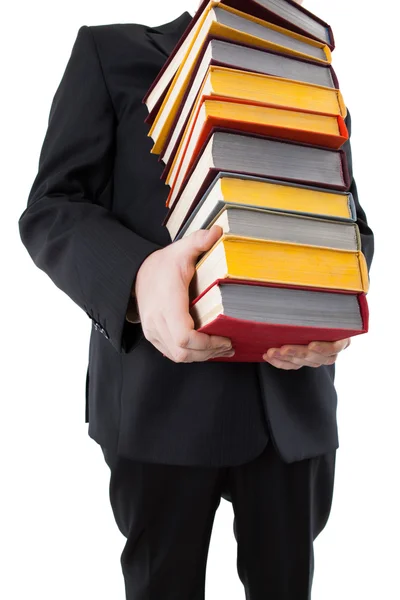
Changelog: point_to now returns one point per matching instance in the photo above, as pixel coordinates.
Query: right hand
(162, 296)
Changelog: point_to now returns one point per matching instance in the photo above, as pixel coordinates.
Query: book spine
(352, 207)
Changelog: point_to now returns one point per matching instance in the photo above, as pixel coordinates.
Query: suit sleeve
(367, 236)
(83, 247)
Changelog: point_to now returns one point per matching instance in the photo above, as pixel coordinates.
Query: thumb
(199, 242)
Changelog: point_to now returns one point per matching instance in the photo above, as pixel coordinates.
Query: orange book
(321, 130)
(283, 263)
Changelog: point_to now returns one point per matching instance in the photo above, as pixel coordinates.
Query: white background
(58, 536)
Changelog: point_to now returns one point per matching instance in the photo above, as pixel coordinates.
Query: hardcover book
(228, 190)
(218, 52)
(283, 13)
(284, 263)
(263, 157)
(284, 123)
(258, 317)
(231, 25)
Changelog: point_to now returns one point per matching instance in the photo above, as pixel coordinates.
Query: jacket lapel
(165, 37)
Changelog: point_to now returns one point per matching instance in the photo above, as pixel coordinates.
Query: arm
(86, 251)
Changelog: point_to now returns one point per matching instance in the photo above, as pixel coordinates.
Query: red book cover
(251, 339)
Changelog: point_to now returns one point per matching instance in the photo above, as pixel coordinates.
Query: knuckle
(182, 341)
(180, 355)
(212, 345)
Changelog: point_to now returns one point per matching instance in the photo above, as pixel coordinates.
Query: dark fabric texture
(94, 214)
(166, 512)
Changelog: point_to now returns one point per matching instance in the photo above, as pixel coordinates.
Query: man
(177, 432)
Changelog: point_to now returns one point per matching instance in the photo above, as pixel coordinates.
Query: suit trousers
(166, 512)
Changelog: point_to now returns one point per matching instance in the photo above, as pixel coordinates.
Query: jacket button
(101, 329)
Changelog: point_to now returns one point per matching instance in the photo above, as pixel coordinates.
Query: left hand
(314, 355)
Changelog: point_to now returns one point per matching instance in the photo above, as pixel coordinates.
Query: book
(255, 192)
(235, 26)
(218, 52)
(288, 14)
(285, 227)
(263, 157)
(256, 8)
(259, 317)
(288, 264)
(324, 130)
(254, 88)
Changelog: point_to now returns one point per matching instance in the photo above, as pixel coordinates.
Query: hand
(315, 355)
(162, 295)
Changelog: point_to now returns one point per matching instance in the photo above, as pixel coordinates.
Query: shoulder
(118, 44)
(116, 34)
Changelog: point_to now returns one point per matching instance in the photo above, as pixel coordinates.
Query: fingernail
(227, 346)
(225, 354)
(290, 353)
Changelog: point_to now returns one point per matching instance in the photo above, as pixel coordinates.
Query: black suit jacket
(93, 215)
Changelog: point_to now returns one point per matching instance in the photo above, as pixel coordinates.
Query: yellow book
(296, 124)
(261, 194)
(251, 259)
(278, 196)
(230, 24)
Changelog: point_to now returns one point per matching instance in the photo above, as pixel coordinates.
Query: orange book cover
(260, 120)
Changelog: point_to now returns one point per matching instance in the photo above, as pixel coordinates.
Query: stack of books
(248, 118)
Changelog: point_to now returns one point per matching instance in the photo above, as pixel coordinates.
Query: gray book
(279, 306)
(288, 14)
(236, 56)
(286, 227)
(271, 35)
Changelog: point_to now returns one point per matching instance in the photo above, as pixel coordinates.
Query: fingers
(192, 346)
(301, 356)
(194, 340)
(283, 364)
(329, 348)
(183, 355)
(315, 355)
(177, 340)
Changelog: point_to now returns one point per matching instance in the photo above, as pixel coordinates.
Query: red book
(335, 315)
